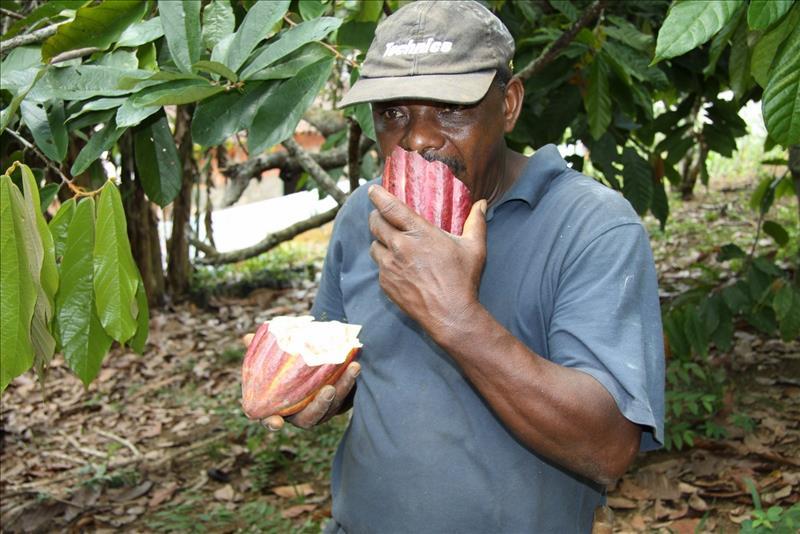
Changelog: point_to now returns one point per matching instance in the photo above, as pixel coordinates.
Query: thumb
(475, 225)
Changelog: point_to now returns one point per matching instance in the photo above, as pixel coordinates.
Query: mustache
(456, 165)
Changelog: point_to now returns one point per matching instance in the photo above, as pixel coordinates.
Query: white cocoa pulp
(317, 342)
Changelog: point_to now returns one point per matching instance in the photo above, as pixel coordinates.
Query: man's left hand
(430, 274)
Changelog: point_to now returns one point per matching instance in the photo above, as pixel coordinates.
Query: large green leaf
(19, 291)
(98, 143)
(176, 92)
(181, 23)
(215, 67)
(721, 40)
(100, 104)
(19, 95)
(293, 63)
(47, 127)
(659, 204)
(131, 114)
(141, 33)
(597, 98)
(59, 225)
(781, 100)
(290, 41)
(739, 62)
(255, 27)
(638, 180)
(157, 162)
(218, 21)
(138, 342)
(219, 117)
(691, 23)
(81, 336)
(115, 273)
(42, 265)
(280, 113)
(311, 9)
(94, 26)
(787, 310)
(86, 81)
(48, 10)
(765, 50)
(762, 13)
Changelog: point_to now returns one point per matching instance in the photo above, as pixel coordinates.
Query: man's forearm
(561, 413)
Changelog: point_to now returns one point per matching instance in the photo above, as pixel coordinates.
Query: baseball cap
(447, 51)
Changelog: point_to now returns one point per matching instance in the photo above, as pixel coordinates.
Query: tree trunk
(179, 267)
(142, 226)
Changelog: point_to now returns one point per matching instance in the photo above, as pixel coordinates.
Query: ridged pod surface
(276, 382)
(429, 188)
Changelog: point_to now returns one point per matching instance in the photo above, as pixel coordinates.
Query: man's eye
(391, 114)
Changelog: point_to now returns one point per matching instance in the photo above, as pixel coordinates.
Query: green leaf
(218, 21)
(98, 143)
(175, 92)
(219, 117)
(42, 265)
(311, 9)
(721, 40)
(369, 11)
(638, 180)
(81, 336)
(355, 34)
(215, 67)
(730, 251)
(85, 81)
(776, 232)
(787, 310)
(138, 341)
(121, 59)
(141, 33)
(9, 111)
(739, 63)
(781, 100)
(290, 41)
(48, 193)
(625, 32)
(691, 23)
(618, 68)
(115, 273)
(48, 10)
(597, 98)
(363, 115)
(279, 114)
(94, 26)
(659, 204)
(100, 104)
(255, 27)
(765, 51)
(19, 291)
(762, 13)
(181, 23)
(47, 127)
(157, 162)
(59, 225)
(131, 114)
(293, 63)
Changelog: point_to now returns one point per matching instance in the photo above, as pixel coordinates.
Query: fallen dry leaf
(162, 495)
(297, 510)
(621, 503)
(225, 493)
(291, 492)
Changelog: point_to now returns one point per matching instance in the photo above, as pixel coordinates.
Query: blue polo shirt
(569, 271)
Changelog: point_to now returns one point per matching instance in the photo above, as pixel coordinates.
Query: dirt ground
(158, 442)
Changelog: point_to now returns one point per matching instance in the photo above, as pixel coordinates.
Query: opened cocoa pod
(290, 359)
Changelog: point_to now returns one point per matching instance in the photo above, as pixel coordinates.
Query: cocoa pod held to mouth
(429, 188)
(290, 359)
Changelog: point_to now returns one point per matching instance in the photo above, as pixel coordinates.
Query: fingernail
(328, 394)
(355, 371)
(483, 206)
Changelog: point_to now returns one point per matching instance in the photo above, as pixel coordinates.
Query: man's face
(467, 138)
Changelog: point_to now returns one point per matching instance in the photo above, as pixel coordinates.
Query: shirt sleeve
(328, 304)
(607, 322)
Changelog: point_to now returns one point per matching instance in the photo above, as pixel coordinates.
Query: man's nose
(422, 135)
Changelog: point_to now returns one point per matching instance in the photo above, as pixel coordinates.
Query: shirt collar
(542, 168)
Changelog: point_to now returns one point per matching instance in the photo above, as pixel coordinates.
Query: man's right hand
(327, 403)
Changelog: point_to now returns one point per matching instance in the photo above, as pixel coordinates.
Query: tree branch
(552, 50)
(272, 240)
(316, 172)
(28, 38)
(12, 14)
(72, 54)
(27, 144)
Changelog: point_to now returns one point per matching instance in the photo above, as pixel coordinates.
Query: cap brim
(452, 88)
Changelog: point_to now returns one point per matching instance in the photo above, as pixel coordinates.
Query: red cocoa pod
(429, 188)
(276, 380)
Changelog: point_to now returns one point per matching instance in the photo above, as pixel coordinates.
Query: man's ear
(512, 102)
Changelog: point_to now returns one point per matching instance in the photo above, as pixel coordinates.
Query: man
(509, 374)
